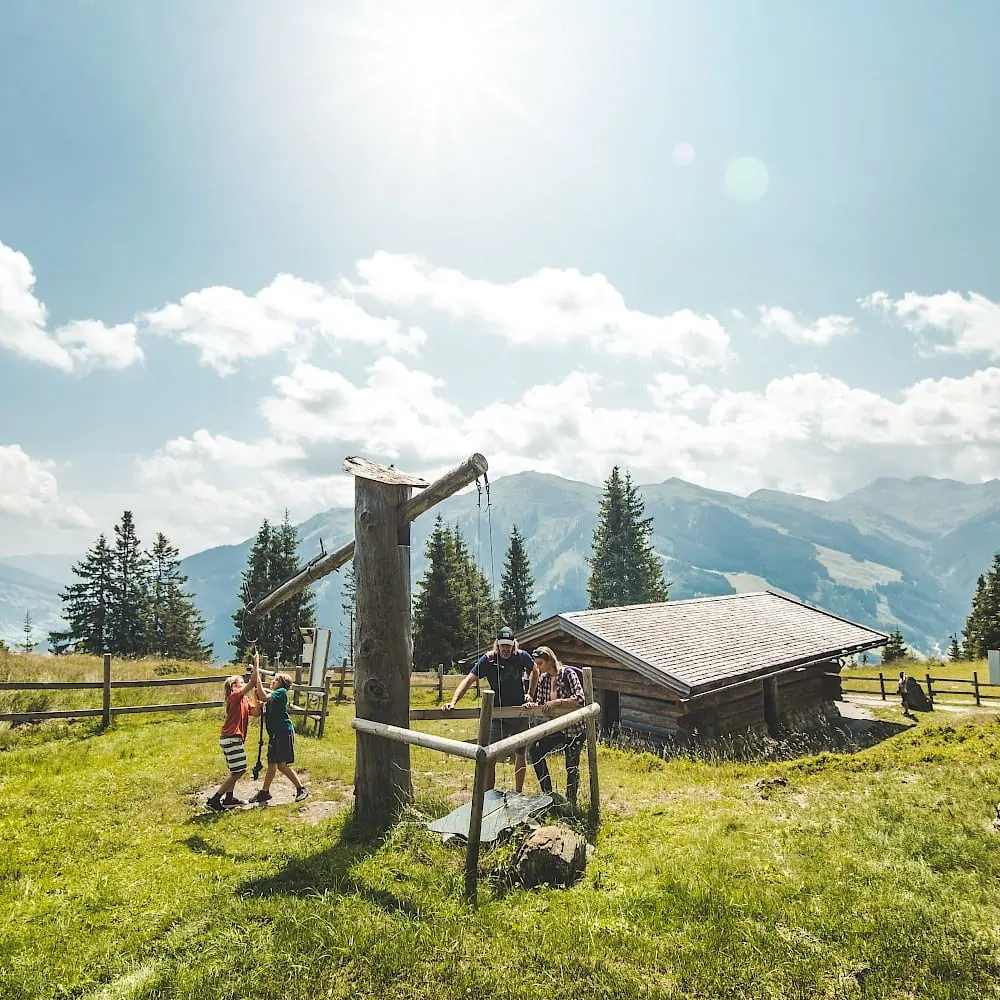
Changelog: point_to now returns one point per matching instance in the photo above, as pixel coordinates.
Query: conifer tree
(438, 610)
(129, 591)
(29, 634)
(255, 579)
(517, 597)
(895, 648)
(954, 653)
(299, 611)
(87, 604)
(475, 596)
(624, 569)
(175, 627)
(349, 604)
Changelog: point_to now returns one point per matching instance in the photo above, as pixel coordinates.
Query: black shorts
(281, 748)
(500, 729)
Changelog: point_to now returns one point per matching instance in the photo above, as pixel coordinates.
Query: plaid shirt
(567, 686)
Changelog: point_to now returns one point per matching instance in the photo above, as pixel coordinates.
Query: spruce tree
(299, 611)
(175, 626)
(438, 612)
(517, 597)
(475, 597)
(130, 590)
(624, 569)
(87, 604)
(255, 580)
(954, 653)
(349, 603)
(895, 648)
(29, 634)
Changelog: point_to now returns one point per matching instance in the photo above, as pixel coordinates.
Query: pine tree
(624, 569)
(974, 633)
(255, 579)
(517, 597)
(87, 604)
(475, 596)
(29, 634)
(130, 591)
(895, 648)
(175, 627)
(299, 611)
(438, 611)
(954, 653)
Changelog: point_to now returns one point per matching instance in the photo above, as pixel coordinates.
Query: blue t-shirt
(276, 712)
(505, 677)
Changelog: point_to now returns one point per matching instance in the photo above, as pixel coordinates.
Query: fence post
(440, 683)
(595, 788)
(343, 672)
(298, 681)
(881, 683)
(975, 685)
(930, 691)
(325, 706)
(478, 795)
(106, 706)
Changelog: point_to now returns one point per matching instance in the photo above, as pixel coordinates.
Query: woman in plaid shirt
(554, 685)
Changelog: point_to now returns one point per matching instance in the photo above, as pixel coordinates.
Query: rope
(493, 578)
(479, 546)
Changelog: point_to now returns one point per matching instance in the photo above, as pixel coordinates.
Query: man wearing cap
(504, 669)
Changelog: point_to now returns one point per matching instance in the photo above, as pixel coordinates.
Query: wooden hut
(709, 666)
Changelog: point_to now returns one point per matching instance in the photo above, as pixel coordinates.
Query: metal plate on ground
(501, 811)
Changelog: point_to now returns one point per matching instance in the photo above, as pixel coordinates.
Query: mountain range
(896, 553)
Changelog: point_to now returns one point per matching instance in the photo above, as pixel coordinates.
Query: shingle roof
(697, 645)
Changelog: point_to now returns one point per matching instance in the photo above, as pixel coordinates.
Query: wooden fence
(432, 680)
(108, 711)
(975, 689)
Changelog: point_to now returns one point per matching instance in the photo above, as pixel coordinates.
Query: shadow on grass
(330, 871)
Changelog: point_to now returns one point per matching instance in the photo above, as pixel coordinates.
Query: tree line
(130, 601)
(455, 613)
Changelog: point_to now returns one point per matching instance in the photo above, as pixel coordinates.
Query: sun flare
(440, 64)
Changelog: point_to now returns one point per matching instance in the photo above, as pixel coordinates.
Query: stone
(552, 855)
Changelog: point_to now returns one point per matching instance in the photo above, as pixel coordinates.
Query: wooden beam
(383, 648)
(514, 743)
(388, 474)
(595, 787)
(478, 797)
(440, 489)
(413, 737)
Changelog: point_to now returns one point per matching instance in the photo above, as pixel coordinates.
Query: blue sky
(569, 247)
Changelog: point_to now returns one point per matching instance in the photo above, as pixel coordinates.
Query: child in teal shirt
(280, 737)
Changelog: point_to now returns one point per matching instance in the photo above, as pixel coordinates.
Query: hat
(505, 635)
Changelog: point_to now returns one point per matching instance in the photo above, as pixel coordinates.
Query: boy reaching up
(232, 740)
(280, 737)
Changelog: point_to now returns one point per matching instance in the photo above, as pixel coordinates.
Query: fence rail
(108, 711)
(980, 690)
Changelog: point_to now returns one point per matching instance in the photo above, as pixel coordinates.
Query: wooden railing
(975, 689)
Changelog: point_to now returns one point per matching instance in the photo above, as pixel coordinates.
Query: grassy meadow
(955, 687)
(874, 874)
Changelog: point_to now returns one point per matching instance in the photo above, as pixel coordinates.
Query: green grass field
(951, 680)
(868, 875)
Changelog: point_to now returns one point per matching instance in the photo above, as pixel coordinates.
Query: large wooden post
(383, 645)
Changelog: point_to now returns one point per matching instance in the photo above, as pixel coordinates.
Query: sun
(440, 65)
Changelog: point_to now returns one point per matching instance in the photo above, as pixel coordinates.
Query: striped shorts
(235, 753)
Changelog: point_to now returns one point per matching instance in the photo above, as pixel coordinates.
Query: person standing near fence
(504, 668)
(280, 738)
(557, 686)
(233, 739)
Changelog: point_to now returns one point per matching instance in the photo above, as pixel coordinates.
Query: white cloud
(777, 319)
(970, 324)
(288, 315)
(28, 490)
(552, 307)
(78, 345)
(738, 314)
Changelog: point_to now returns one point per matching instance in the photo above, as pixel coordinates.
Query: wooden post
(930, 691)
(881, 683)
(595, 787)
(975, 685)
(440, 683)
(298, 681)
(478, 796)
(324, 708)
(106, 707)
(343, 674)
(384, 647)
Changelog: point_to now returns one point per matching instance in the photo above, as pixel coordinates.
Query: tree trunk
(383, 647)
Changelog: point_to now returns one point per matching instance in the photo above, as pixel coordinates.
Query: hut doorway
(771, 713)
(611, 710)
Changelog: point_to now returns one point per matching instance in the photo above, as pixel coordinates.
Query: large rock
(552, 855)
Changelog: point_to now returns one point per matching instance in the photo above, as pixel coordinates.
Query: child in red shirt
(239, 708)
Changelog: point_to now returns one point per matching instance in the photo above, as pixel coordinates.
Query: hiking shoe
(231, 802)
(301, 793)
(261, 798)
(215, 804)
